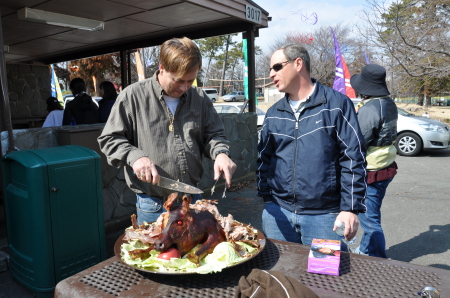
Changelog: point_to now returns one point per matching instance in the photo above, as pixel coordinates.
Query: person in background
(163, 126)
(56, 112)
(109, 95)
(311, 164)
(82, 109)
(378, 122)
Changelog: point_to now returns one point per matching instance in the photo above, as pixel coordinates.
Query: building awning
(128, 24)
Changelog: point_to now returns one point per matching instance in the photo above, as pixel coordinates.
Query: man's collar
(159, 88)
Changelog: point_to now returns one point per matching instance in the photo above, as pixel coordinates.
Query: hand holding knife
(145, 170)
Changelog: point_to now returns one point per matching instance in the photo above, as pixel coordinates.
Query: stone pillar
(29, 86)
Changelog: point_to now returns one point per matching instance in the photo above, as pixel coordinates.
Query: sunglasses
(279, 66)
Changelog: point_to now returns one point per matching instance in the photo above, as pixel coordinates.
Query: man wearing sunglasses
(311, 166)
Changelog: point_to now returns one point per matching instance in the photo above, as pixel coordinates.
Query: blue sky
(299, 15)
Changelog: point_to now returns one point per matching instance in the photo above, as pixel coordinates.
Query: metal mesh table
(361, 276)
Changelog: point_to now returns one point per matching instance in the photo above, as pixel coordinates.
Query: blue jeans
(150, 208)
(280, 224)
(373, 242)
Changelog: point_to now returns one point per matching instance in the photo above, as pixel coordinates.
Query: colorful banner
(246, 91)
(339, 81)
(244, 49)
(349, 91)
(342, 75)
(56, 89)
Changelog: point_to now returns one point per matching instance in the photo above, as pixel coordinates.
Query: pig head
(184, 229)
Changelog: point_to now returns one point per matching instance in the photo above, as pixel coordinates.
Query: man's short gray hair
(293, 51)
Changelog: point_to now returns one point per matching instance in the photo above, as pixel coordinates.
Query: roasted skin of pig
(184, 228)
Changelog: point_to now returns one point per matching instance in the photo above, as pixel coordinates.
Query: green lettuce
(223, 256)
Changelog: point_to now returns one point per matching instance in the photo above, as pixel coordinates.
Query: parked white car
(236, 108)
(234, 96)
(415, 133)
(212, 93)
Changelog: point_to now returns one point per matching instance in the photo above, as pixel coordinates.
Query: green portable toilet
(54, 214)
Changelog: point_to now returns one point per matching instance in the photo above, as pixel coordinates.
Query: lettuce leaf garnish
(223, 256)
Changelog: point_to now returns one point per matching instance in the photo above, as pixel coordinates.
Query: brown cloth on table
(271, 284)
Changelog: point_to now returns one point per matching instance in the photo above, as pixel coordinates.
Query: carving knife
(178, 186)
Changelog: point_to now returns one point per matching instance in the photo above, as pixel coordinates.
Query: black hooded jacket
(81, 110)
(378, 121)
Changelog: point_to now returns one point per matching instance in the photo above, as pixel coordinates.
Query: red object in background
(349, 91)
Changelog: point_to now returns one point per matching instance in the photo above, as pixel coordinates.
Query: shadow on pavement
(433, 241)
(435, 153)
(440, 266)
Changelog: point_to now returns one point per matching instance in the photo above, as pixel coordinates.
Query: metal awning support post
(6, 123)
(123, 68)
(250, 35)
(129, 67)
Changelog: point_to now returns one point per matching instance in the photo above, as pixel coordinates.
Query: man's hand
(145, 170)
(226, 165)
(351, 223)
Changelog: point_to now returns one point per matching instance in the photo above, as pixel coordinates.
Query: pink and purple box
(324, 256)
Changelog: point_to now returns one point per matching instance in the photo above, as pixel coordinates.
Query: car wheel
(234, 99)
(408, 144)
(213, 100)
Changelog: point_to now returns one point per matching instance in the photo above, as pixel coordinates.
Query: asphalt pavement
(415, 215)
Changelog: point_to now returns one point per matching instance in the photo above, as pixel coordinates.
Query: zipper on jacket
(297, 121)
(295, 163)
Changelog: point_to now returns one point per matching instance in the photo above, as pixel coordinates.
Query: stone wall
(118, 201)
(28, 87)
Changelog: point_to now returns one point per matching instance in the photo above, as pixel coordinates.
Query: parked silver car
(415, 133)
(234, 96)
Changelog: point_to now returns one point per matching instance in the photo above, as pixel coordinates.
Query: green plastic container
(54, 214)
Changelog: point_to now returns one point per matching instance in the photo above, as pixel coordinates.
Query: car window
(259, 112)
(231, 110)
(226, 109)
(211, 91)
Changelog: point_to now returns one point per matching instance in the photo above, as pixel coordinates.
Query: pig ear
(185, 204)
(170, 201)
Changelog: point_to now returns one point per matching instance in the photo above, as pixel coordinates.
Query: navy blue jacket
(315, 165)
(105, 110)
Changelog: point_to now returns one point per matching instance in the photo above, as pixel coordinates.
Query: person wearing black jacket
(378, 122)
(109, 95)
(82, 109)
